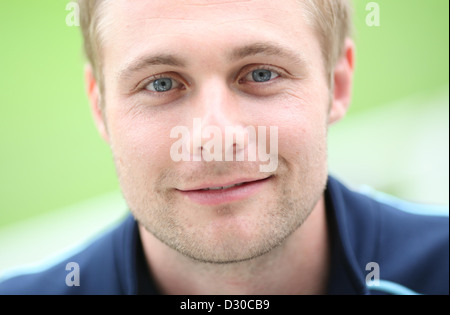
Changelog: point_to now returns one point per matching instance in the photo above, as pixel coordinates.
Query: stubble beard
(160, 213)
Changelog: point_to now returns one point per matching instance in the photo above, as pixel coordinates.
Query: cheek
(139, 143)
(302, 125)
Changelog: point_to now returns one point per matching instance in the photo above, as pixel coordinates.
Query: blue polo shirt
(379, 245)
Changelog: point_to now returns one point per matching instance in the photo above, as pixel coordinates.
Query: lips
(216, 194)
(223, 187)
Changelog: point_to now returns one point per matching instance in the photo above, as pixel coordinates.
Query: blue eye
(261, 75)
(162, 85)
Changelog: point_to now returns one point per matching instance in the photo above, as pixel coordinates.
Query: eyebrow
(148, 61)
(253, 49)
(266, 48)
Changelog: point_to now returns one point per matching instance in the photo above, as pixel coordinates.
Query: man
(208, 215)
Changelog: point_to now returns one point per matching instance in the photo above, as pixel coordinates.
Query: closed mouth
(215, 194)
(236, 183)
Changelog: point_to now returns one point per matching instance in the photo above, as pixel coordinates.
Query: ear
(343, 83)
(93, 93)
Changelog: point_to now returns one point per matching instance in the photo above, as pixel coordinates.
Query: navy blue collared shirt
(379, 245)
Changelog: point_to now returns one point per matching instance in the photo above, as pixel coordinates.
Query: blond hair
(331, 19)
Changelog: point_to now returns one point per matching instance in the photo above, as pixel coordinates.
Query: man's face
(234, 63)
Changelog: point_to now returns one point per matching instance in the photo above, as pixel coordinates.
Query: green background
(52, 157)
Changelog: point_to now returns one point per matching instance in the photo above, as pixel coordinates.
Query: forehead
(131, 27)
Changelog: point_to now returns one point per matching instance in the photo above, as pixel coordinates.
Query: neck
(298, 266)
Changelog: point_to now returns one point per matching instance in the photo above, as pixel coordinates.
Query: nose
(219, 131)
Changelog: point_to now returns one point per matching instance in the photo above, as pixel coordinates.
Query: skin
(276, 240)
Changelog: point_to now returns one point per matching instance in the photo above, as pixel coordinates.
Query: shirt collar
(346, 276)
